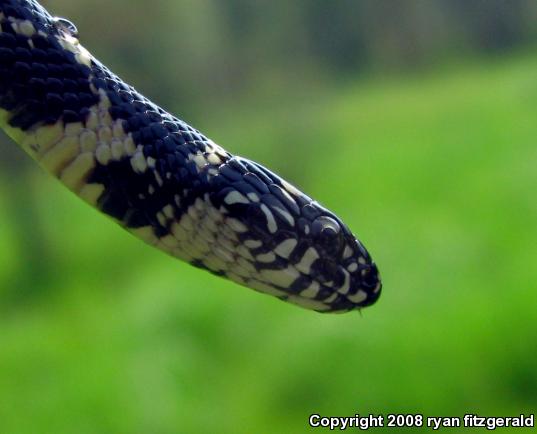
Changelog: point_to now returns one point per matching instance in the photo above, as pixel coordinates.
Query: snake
(163, 180)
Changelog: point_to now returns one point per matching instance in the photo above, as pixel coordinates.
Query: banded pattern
(163, 180)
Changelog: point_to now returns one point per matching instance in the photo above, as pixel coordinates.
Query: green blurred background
(415, 121)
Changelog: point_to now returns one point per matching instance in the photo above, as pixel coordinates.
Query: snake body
(163, 180)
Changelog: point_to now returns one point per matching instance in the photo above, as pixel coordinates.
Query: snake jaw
(163, 180)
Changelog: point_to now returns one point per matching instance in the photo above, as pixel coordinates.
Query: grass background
(435, 170)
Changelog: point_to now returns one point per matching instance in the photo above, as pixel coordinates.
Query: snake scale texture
(163, 180)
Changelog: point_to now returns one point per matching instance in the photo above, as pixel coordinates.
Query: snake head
(301, 252)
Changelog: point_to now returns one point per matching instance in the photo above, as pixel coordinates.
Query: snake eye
(66, 25)
(325, 226)
(327, 232)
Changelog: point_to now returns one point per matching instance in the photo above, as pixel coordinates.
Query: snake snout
(347, 276)
(368, 284)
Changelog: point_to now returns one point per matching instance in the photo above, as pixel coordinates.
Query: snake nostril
(370, 276)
